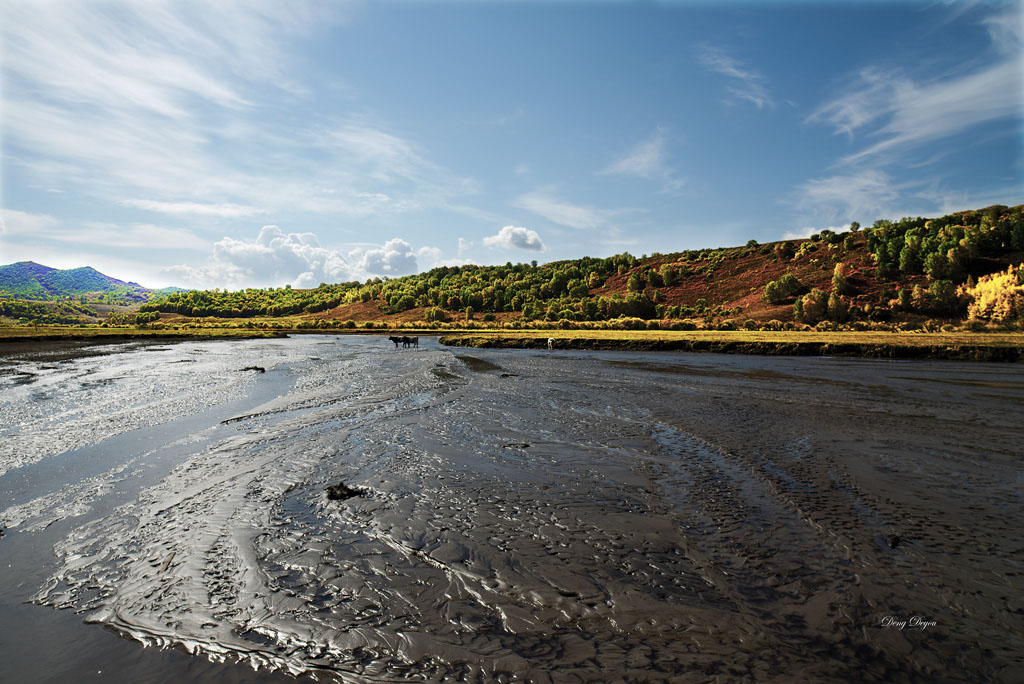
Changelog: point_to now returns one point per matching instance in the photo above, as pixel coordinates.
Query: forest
(943, 268)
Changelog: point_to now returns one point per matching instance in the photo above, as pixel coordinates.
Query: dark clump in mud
(258, 369)
(341, 492)
(477, 365)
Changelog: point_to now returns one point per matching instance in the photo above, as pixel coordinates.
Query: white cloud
(223, 210)
(36, 229)
(746, 84)
(862, 196)
(394, 258)
(648, 159)
(560, 211)
(274, 258)
(904, 113)
(807, 231)
(515, 237)
(16, 222)
(179, 107)
(1006, 30)
(135, 235)
(869, 195)
(430, 255)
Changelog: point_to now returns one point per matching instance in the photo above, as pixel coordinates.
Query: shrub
(813, 307)
(782, 289)
(838, 309)
(998, 297)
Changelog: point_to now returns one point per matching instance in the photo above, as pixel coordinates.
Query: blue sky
(258, 143)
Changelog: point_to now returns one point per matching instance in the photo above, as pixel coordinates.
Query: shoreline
(91, 336)
(984, 347)
(901, 347)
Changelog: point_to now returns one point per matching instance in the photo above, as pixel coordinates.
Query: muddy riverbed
(506, 515)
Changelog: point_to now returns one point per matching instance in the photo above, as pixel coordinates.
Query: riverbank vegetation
(871, 344)
(958, 272)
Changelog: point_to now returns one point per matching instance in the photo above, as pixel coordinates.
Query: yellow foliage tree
(998, 297)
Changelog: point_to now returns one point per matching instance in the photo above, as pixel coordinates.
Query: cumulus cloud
(807, 231)
(394, 258)
(429, 255)
(515, 237)
(275, 257)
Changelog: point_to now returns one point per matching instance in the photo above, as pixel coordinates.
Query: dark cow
(397, 340)
(410, 341)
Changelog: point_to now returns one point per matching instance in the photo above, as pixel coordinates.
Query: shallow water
(521, 516)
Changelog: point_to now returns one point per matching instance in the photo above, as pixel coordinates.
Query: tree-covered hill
(915, 268)
(29, 280)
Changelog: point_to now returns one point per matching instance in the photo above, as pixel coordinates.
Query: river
(520, 516)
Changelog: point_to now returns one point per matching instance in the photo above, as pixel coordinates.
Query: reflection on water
(521, 516)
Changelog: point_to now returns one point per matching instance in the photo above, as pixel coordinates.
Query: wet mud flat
(563, 516)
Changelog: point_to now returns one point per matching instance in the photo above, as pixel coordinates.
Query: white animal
(551, 343)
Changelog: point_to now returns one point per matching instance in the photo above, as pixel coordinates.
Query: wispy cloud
(871, 194)
(515, 237)
(222, 210)
(903, 112)
(27, 228)
(179, 107)
(744, 83)
(863, 196)
(509, 117)
(561, 212)
(13, 222)
(648, 159)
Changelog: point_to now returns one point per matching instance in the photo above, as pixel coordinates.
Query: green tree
(903, 299)
(635, 283)
(943, 296)
(840, 281)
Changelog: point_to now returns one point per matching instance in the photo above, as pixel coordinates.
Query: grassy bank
(871, 344)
